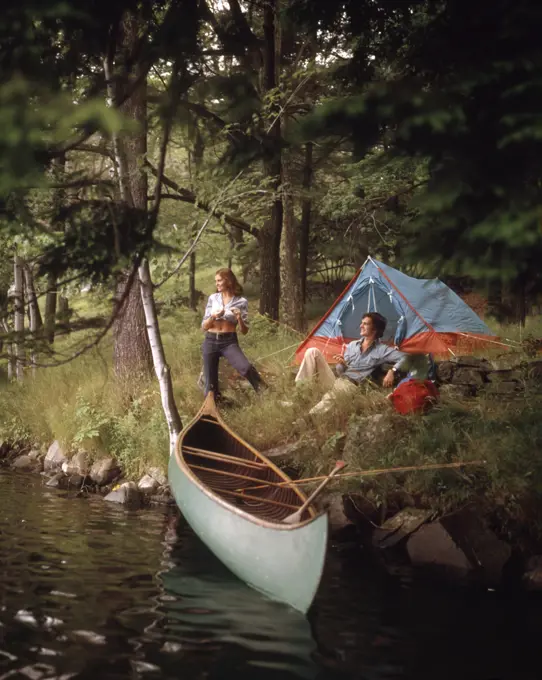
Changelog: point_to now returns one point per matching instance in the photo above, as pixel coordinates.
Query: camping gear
(424, 315)
(414, 396)
(209, 474)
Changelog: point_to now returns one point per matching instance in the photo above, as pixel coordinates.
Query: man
(360, 359)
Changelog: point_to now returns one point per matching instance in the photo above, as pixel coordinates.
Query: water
(91, 590)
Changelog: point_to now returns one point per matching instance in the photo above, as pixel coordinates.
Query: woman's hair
(379, 322)
(233, 284)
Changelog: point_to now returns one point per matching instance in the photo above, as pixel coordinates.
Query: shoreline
(466, 546)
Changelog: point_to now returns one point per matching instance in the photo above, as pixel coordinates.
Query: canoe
(235, 499)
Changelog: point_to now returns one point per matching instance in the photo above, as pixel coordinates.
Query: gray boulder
(104, 471)
(56, 480)
(78, 465)
(468, 376)
(158, 475)
(55, 457)
(23, 462)
(433, 547)
(147, 484)
(126, 494)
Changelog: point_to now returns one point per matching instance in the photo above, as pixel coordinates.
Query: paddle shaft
(381, 471)
(296, 516)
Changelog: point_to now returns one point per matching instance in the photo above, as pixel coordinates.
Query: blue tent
(424, 315)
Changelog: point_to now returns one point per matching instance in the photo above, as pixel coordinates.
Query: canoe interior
(270, 503)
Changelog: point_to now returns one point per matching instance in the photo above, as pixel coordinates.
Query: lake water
(91, 590)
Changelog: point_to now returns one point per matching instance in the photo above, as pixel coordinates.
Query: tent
(424, 315)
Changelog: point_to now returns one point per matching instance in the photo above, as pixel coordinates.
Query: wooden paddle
(295, 517)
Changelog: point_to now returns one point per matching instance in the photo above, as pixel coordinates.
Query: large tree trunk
(306, 209)
(270, 234)
(292, 307)
(18, 316)
(132, 353)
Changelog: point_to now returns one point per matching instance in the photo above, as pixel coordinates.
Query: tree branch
(187, 196)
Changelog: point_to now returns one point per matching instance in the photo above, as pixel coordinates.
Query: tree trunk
(306, 208)
(197, 154)
(9, 350)
(50, 308)
(159, 357)
(292, 307)
(34, 316)
(270, 234)
(18, 322)
(132, 353)
(36, 322)
(494, 299)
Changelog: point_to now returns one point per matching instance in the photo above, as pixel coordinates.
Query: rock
(148, 484)
(433, 547)
(78, 465)
(24, 462)
(483, 548)
(505, 375)
(532, 578)
(158, 475)
(163, 497)
(334, 505)
(445, 371)
(55, 480)
(73, 481)
(126, 494)
(398, 527)
(104, 471)
(468, 376)
(55, 457)
(457, 391)
(533, 372)
(505, 387)
(282, 451)
(473, 362)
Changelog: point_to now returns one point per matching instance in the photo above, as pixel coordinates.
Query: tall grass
(83, 406)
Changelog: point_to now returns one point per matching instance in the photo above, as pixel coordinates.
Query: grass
(81, 405)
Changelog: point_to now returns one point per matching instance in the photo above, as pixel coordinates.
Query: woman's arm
(241, 314)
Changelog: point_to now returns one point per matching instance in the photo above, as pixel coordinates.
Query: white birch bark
(161, 367)
(18, 317)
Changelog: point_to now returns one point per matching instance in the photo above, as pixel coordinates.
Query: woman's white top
(216, 302)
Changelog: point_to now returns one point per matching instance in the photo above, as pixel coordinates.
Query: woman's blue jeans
(225, 345)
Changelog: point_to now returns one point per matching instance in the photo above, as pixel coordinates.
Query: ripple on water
(91, 590)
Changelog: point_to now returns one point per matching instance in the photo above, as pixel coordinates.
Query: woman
(226, 309)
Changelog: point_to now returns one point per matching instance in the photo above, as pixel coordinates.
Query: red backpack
(414, 396)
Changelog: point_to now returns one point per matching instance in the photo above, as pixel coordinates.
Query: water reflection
(91, 590)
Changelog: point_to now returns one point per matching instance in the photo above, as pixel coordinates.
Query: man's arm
(390, 355)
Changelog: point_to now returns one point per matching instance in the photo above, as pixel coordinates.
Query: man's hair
(379, 322)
